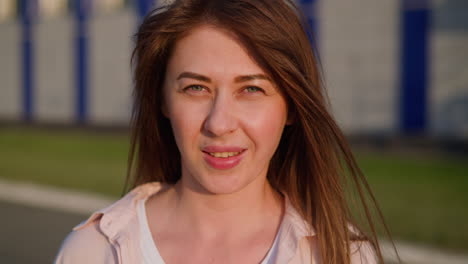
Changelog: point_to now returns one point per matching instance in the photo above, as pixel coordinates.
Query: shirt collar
(115, 219)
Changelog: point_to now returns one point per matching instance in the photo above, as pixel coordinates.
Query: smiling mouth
(223, 154)
(223, 160)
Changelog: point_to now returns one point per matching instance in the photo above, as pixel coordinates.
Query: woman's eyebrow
(195, 76)
(246, 78)
(238, 79)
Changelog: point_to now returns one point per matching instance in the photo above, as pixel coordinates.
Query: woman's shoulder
(302, 239)
(93, 240)
(86, 245)
(362, 252)
(361, 249)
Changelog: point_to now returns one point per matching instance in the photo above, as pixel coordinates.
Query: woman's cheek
(265, 122)
(188, 117)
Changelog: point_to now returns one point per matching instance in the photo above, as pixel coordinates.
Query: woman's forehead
(213, 51)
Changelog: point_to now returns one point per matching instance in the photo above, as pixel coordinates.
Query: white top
(112, 235)
(151, 253)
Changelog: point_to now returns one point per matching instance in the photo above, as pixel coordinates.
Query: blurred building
(391, 67)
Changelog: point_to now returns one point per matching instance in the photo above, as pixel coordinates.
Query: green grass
(424, 198)
(94, 162)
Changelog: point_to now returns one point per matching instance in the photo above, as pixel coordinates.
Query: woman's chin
(221, 185)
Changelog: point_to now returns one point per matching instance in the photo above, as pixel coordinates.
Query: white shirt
(113, 236)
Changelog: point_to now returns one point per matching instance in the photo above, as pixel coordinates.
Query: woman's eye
(194, 88)
(253, 89)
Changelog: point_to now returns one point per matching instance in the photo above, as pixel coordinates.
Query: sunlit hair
(313, 164)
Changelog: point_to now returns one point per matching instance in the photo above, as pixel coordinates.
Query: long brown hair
(313, 164)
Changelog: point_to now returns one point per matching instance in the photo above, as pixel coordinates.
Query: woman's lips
(223, 158)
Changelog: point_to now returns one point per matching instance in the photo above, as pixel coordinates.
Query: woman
(237, 159)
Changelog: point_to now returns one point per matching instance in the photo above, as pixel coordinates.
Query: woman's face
(226, 114)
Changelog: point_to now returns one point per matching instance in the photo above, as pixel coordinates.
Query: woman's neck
(246, 210)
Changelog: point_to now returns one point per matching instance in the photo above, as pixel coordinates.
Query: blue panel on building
(309, 8)
(414, 66)
(82, 13)
(28, 11)
(143, 7)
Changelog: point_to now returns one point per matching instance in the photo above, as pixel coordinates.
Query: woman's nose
(221, 118)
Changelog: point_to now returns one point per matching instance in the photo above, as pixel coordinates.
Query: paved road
(32, 235)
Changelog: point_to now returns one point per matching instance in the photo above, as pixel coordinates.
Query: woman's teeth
(223, 154)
